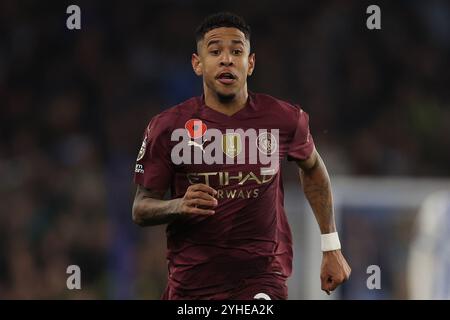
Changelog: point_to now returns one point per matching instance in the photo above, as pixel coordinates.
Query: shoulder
(278, 109)
(170, 118)
(276, 106)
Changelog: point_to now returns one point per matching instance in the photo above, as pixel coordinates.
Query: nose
(226, 60)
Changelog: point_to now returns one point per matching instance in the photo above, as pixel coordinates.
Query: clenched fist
(334, 271)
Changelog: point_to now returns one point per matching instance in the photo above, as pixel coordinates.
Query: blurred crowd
(74, 105)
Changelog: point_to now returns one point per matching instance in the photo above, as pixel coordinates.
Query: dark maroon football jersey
(249, 233)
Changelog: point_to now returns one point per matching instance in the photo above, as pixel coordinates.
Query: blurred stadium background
(74, 104)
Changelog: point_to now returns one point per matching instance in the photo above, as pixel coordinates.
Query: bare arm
(149, 209)
(317, 187)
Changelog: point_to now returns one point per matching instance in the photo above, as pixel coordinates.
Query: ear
(196, 64)
(251, 64)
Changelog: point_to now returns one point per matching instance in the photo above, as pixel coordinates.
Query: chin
(226, 94)
(225, 97)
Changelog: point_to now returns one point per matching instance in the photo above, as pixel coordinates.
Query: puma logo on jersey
(198, 145)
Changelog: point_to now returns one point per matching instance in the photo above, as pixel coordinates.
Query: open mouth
(226, 78)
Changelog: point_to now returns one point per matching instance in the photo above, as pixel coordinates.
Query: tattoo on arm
(317, 188)
(149, 209)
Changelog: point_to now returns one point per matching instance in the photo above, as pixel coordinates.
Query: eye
(237, 51)
(214, 52)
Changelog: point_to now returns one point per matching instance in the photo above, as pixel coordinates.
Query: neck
(228, 107)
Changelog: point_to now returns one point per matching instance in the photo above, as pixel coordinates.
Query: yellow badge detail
(231, 144)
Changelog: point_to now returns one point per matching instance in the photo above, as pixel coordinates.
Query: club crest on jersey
(142, 149)
(195, 128)
(231, 144)
(266, 143)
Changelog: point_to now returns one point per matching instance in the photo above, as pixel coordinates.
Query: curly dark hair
(219, 20)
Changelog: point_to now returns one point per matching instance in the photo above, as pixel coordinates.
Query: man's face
(224, 61)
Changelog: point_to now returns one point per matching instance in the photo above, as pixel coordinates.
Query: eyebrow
(218, 41)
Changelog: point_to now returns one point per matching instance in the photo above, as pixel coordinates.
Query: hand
(334, 271)
(198, 199)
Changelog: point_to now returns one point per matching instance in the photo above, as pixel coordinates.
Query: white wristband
(330, 241)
